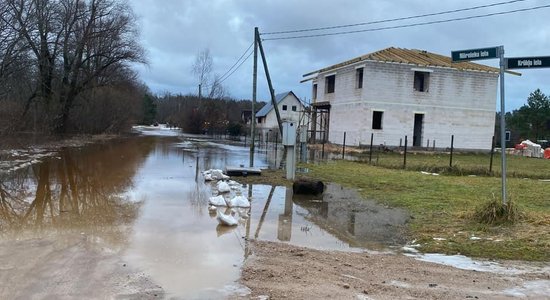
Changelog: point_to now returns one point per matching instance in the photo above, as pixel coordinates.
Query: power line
(396, 19)
(242, 62)
(221, 78)
(408, 25)
(244, 53)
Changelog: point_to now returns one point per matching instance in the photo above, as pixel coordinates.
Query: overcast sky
(174, 31)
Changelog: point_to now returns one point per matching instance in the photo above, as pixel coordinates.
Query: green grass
(462, 164)
(444, 206)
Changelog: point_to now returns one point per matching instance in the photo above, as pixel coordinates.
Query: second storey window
(284, 107)
(421, 81)
(293, 107)
(329, 84)
(359, 78)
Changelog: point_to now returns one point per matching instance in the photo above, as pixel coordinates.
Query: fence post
(276, 142)
(428, 145)
(245, 140)
(492, 153)
(452, 148)
(433, 149)
(323, 150)
(267, 143)
(405, 155)
(370, 152)
(344, 146)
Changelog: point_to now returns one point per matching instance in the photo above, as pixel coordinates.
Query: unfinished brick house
(393, 93)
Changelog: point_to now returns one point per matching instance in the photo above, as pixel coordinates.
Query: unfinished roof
(414, 57)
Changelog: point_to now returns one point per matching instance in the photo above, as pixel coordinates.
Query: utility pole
(271, 90)
(200, 94)
(254, 86)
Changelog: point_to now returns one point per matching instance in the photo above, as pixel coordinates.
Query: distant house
(393, 93)
(290, 109)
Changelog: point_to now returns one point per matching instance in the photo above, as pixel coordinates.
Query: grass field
(443, 206)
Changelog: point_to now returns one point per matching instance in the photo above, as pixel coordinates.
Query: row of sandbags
(226, 193)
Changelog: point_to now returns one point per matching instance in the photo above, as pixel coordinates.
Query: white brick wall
(457, 102)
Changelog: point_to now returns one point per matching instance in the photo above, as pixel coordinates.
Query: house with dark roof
(396, 93)
(290, 109)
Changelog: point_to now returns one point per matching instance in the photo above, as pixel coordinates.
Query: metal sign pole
(502, 124)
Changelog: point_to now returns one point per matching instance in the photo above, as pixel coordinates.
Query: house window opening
(315, 91)
(285, 107)
(329, 84)
(421, 81)
(293, 107)
(359, 78)
(377, 119)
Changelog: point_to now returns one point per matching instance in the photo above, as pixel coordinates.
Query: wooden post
(271, 90)
(452, 148)
(492, 153)
(370, 151)
(254, 88)
(405, 155)
(344, 146)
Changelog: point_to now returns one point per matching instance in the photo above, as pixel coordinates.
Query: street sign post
(487, 53)
(528, 62)
(475, 54)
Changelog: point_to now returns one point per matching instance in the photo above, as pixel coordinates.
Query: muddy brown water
(143, 202)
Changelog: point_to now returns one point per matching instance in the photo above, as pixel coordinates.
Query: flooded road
(139, 208)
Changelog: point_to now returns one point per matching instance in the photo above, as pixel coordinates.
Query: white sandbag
(226, 220)
(239, 201)
(217, 174)
(208, 177)
(217, 201)
(223, 187)
(212, 208)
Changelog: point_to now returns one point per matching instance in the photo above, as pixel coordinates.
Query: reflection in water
(174, 239)
(79, 189)
(337, 220)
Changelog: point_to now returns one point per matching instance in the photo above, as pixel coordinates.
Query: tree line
(531, 121)
(65, 66)
(204, 115)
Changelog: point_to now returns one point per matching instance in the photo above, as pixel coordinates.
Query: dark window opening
(293, 107)
(377, 119)
(359, 78)
(315, 91)
(259, 120)
(421, 81)
(329, 84)
(284, 107)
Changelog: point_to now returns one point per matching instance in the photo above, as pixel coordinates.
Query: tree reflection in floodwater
(81, 189)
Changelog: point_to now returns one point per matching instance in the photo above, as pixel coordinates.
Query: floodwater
(145, 199)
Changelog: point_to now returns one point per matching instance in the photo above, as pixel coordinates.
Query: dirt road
(69, 266)
(278, 270)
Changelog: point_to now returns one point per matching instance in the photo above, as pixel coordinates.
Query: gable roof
(414, 57)
(269, 106)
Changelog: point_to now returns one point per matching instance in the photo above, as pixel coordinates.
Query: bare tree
(202, 69)
(72, 46)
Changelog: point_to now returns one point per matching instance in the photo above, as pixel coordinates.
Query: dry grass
(495, 212)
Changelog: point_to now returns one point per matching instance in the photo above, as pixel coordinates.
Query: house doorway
(417, 134)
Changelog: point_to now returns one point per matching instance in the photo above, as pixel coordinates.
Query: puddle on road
(152, 188)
